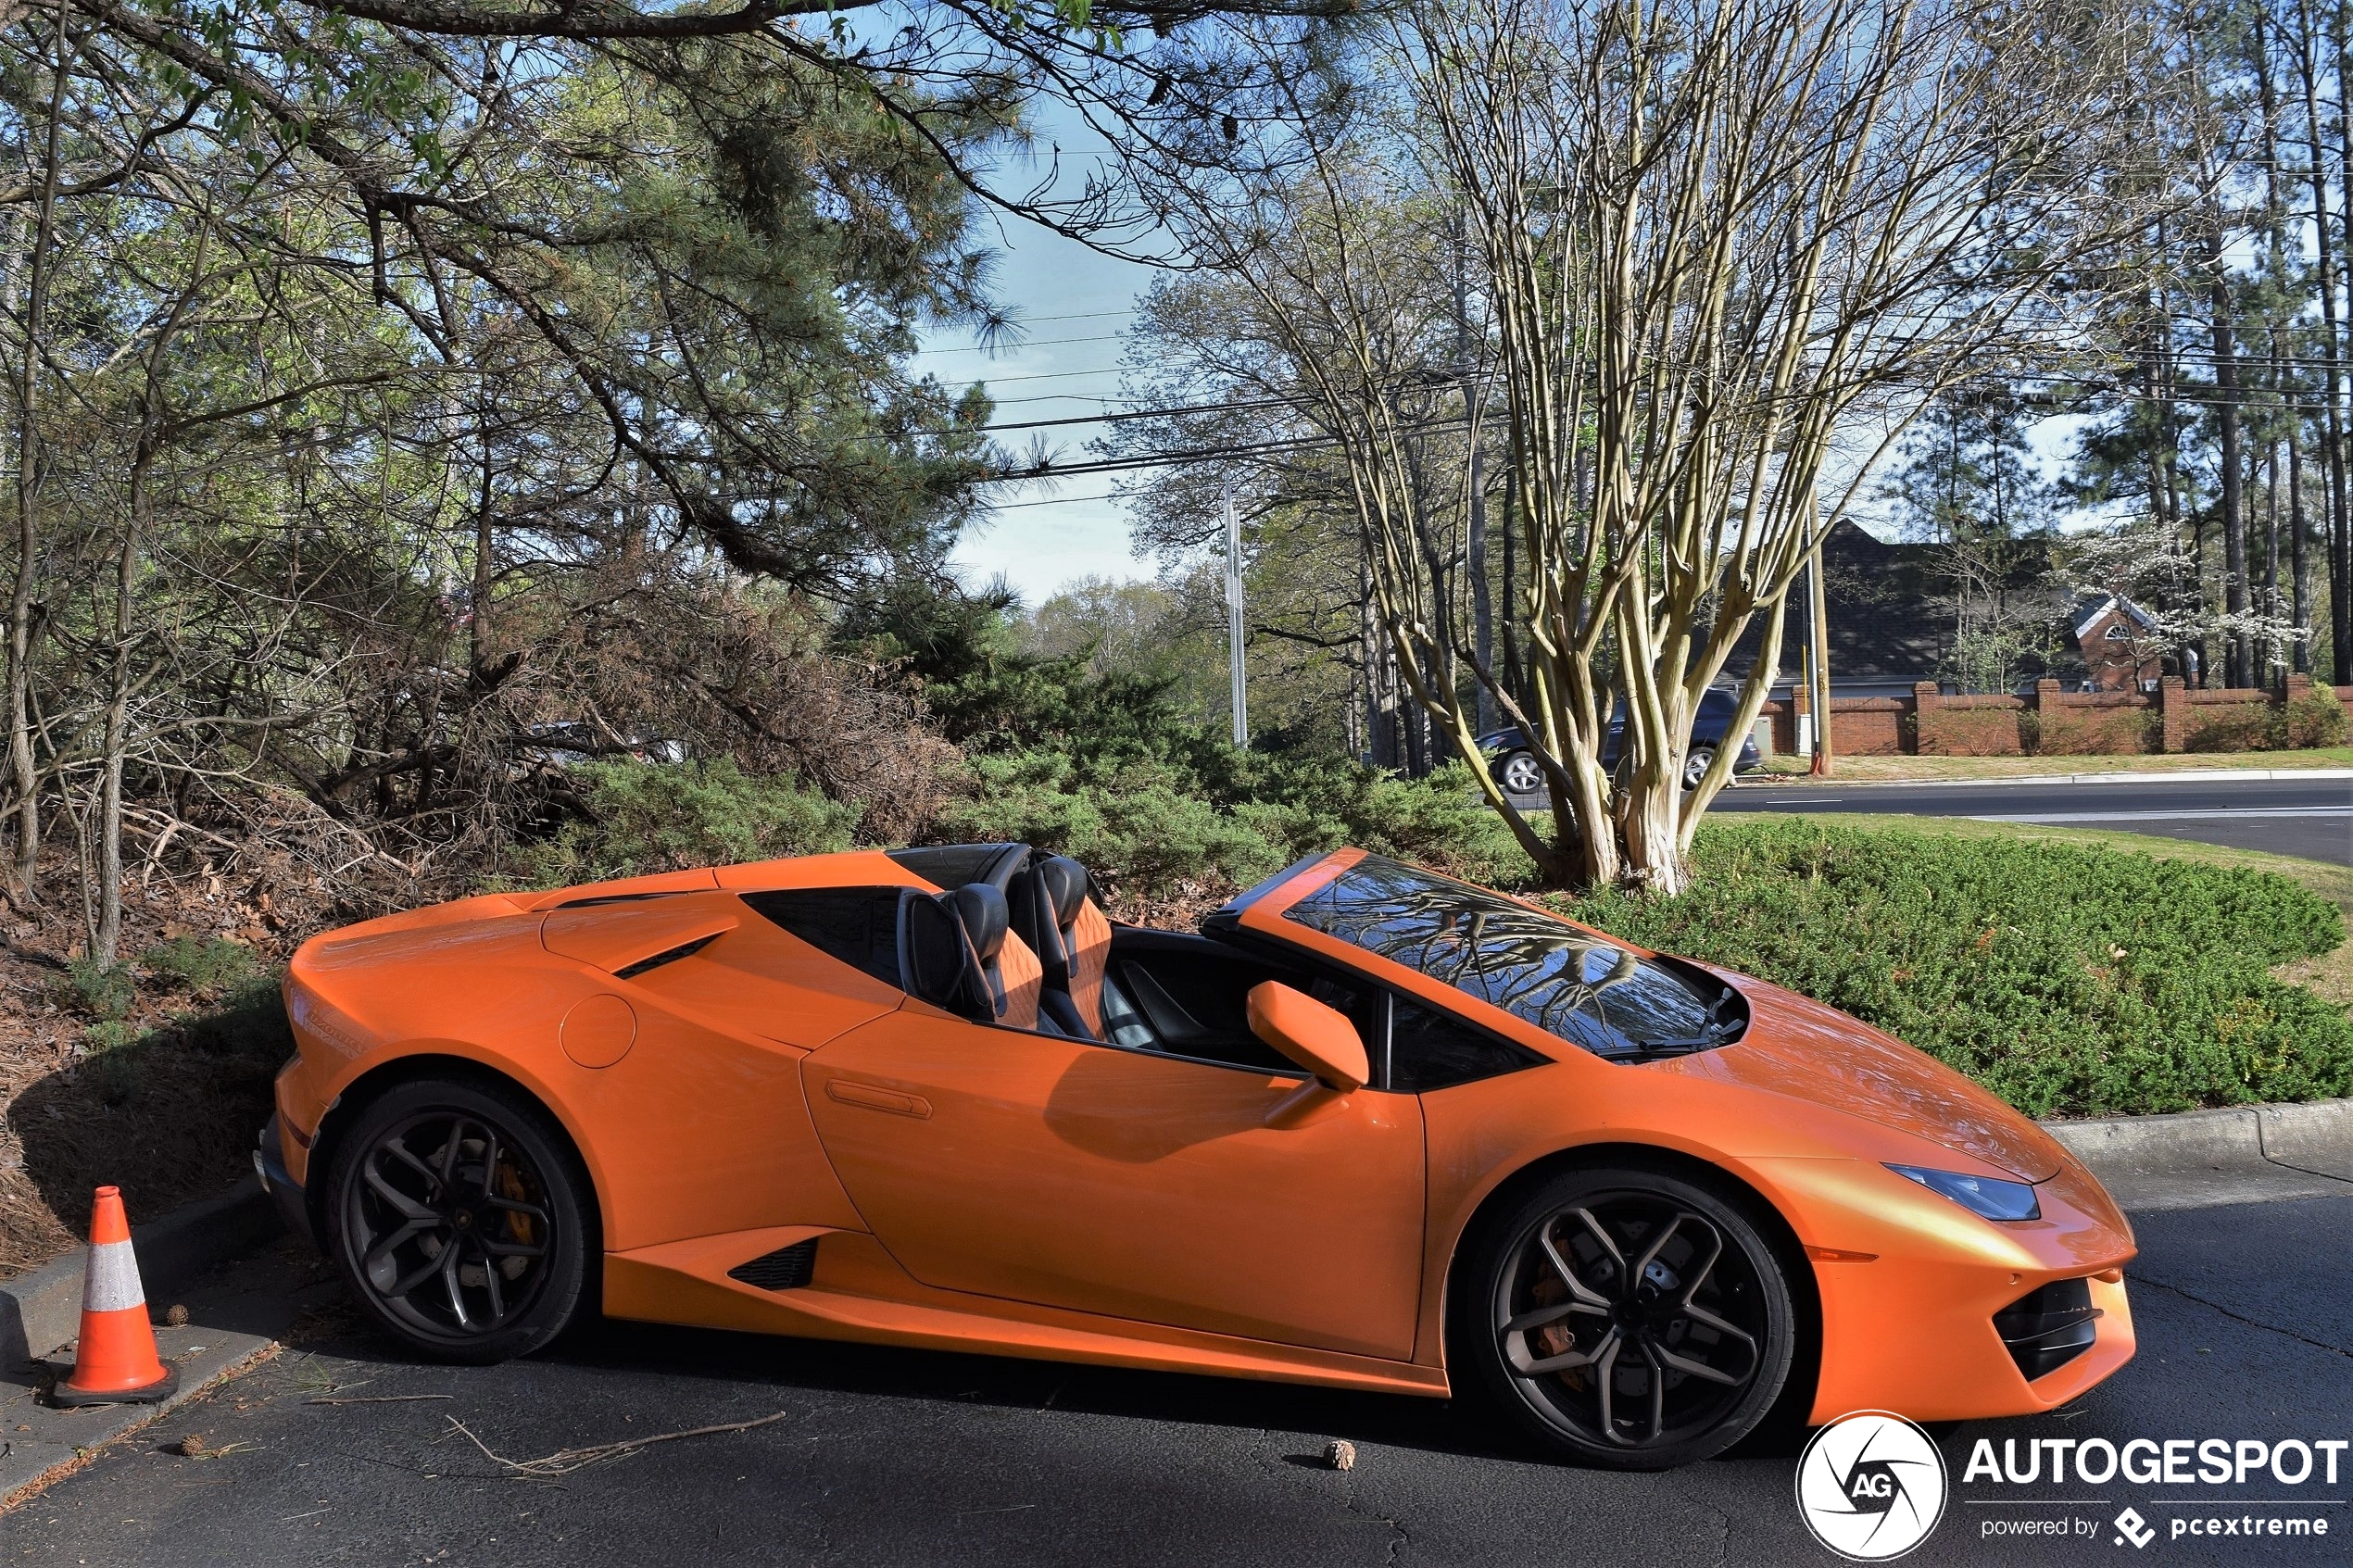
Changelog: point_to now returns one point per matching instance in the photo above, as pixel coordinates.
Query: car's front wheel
(1696, 765)
(1628, 1318)
(459, 1217)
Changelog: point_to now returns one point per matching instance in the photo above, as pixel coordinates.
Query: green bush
(2314, 718)
(652, 817)
(1156, 829)
(201, 965)
(2246, 726)
(2070, 981)
(103, 991)
(1136, 826)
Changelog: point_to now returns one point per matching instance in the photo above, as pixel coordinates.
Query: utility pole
(1818, 637)
(1234, 620)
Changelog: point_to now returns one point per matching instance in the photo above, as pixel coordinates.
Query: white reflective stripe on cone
(113, 1282)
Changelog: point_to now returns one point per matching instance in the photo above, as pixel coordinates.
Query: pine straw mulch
(170, 1114)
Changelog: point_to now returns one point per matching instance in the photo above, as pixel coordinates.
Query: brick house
(2110, 631)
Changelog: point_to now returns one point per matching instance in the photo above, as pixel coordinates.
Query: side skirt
(860, 1294)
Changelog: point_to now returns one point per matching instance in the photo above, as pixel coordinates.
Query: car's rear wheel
(1695, 766)
(1628, 1318)
(1520, 775)
(459, 1216)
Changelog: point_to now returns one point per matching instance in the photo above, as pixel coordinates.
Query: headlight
(1979, 1195)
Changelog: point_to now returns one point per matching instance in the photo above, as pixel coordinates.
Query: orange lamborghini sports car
(1370, 1127)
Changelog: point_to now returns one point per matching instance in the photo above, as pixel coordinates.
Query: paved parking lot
(888, 1457)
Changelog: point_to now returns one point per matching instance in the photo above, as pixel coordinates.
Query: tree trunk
(25, 778)
(2340, 527)
(2300, 571)
(2236, 662)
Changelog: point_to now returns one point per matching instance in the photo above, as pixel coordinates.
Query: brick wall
(2051, 722)
(1966, 726)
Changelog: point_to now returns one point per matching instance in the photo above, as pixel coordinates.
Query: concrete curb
(2181, 775)
(42, 1309)
(2201, 1158)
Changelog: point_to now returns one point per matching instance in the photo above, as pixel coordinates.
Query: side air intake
(788, 1268)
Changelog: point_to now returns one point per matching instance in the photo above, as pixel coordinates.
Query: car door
(1128, 1183)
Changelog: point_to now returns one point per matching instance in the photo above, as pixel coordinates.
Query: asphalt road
(884, 1457)
(2312, 818)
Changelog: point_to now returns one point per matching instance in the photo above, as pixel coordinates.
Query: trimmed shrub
(2070, 981)
(2313, 718)
(2230, 727)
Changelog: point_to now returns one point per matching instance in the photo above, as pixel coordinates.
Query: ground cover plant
(2070, 979)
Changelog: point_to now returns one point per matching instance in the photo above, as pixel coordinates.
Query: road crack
(2241, 1317)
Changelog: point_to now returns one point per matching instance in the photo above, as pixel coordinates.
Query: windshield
(1571, 982)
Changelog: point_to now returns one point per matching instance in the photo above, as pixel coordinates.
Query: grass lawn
(1914, 769)
(2072, 972)
(2328, 974)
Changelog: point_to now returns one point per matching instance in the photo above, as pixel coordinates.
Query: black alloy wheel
(1631, 1319)
(456, 1216)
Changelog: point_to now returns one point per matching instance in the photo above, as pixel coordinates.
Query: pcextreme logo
(1870, 1485)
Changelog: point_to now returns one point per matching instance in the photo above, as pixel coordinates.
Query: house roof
(1891, 610)
(1887, 618)
(2089, 611)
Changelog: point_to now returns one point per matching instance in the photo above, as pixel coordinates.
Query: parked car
(1368, 1128)
(1517, 772)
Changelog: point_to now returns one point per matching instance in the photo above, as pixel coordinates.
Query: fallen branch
(381, 1399)
(564, 1461)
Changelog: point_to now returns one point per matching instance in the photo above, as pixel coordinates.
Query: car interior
(1170, 992)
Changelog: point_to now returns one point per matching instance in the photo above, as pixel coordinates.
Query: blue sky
(1073, 304)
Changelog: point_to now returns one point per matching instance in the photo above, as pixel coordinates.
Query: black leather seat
(986, 919)
(1055, 890)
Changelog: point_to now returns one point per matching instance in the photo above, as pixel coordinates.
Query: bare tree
(1729, 251)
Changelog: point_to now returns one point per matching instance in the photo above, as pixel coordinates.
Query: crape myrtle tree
(1721, 253)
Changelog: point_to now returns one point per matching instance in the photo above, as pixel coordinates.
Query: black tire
(1688, 1281)
(1696, 764)
(421, 1181)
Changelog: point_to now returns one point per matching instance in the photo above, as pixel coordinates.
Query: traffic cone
(115, 1361)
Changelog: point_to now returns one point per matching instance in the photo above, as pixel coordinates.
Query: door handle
(874, 1097)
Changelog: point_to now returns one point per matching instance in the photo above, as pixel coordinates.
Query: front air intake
(788, 1268)
(2049, 1326)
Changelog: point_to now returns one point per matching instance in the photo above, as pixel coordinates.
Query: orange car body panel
(1025, 1170)
(992, 1188)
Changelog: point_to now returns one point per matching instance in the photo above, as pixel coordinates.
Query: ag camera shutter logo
(1870, 1485)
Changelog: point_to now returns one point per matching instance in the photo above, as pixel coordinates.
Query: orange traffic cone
(115, 1362)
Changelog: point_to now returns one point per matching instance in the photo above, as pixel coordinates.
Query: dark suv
(1516, 770)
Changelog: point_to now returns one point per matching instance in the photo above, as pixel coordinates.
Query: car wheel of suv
(1628, 1319)
(1696, 765)
(459, 1217)
(1520, 775)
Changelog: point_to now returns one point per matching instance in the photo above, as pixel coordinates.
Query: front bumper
(269, 1165)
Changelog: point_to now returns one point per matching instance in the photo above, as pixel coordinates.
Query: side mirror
(1316, 1036)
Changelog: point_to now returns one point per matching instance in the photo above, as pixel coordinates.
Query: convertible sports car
(1370, 1128)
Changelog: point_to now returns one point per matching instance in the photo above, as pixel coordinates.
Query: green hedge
(640, 818)
(2070, 981)
(1157, 832)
